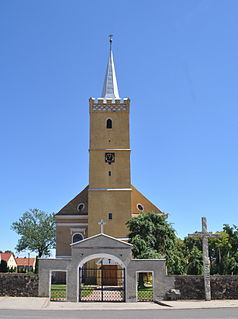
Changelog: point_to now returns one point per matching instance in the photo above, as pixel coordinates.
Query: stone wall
(192, 287)
(18, 285)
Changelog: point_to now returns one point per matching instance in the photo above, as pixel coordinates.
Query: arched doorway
(101, 279)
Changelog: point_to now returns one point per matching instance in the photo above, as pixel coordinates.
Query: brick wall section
(18, 285)
(192, 287)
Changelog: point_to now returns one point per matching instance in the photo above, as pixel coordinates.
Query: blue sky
(176, 60)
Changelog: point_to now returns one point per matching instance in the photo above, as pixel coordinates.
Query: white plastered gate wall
(104, 246)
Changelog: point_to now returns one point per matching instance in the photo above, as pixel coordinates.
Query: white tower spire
(110, 89)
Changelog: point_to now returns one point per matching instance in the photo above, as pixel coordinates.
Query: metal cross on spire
(110, 40)
(204, 235)
(102, 223)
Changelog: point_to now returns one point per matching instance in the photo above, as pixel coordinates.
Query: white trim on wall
(71, 217)
(71, 224)
(109, 149)
(110, 189)
(77, 230)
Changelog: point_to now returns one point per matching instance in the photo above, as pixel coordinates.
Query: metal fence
(102, 284)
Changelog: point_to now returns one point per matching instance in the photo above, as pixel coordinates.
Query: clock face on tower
(109, 158)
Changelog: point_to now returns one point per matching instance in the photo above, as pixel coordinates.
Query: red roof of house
(5, 256)
(25, 261)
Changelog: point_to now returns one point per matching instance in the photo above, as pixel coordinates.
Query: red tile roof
(5, 256)
(25, 261)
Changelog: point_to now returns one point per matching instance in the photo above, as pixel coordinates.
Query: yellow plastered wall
(103, 202)
(119, 171)
(109, 193)
(64, 235)
(116, 137)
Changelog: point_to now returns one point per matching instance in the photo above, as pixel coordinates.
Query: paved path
(108, 294)
(31, 303)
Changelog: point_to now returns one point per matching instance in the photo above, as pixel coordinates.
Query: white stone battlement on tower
(104, 105)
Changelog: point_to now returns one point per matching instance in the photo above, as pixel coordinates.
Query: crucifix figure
(204, 235)
(102, 223)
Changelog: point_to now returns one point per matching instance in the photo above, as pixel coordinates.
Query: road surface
(226, 313)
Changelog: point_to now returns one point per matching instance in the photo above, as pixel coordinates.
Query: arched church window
(109, 123)
(80, 207)
(77, 237)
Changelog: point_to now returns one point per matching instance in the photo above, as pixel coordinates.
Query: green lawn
(145, 293)
(87, 290)
(58, 292)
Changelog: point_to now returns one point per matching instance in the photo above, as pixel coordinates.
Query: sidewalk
(31, 303)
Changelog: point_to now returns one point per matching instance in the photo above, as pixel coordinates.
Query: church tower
(109, 197)
(109, 193)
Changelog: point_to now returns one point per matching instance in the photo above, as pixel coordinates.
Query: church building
(109, 200)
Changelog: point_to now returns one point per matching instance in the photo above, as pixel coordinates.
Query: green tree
(232, 232)
(179, 258)
(153, 237)
(195, 262)
(3, 266)
(193, 255)
(37, 232)
(224, 252)
(9, 251)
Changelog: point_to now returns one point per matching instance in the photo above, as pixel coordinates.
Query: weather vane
(110, 40)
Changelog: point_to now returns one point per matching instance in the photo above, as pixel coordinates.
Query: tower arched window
(109, 123)
(77, 237)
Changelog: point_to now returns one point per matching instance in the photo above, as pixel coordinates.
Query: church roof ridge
(110, 88)
(71, 207)
(137, 196)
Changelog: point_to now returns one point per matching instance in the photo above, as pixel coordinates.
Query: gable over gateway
(101, 241)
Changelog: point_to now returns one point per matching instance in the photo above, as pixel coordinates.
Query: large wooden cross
(101, 223)
(204, 235)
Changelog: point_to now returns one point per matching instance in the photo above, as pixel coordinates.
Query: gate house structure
(103, 246)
